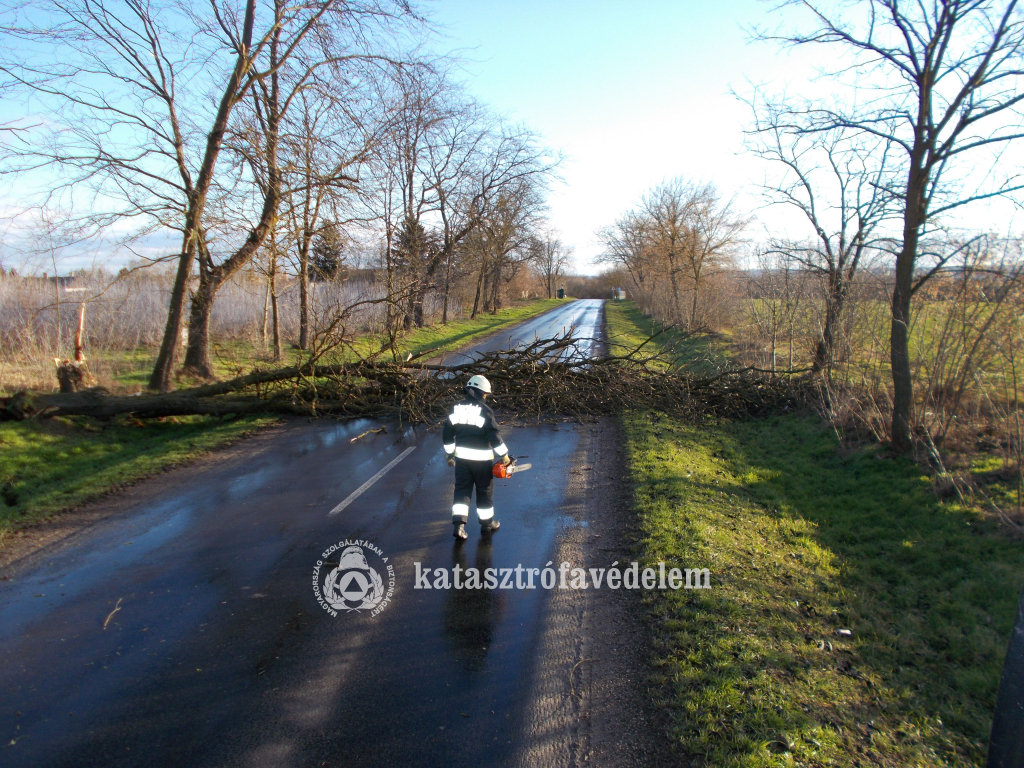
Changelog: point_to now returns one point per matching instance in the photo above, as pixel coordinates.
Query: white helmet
(481, 383)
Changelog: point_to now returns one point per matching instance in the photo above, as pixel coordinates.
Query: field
(805, 538)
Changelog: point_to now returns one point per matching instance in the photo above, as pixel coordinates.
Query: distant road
(584, 315)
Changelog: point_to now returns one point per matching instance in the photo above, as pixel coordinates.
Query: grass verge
(52, 465)
(627, 327)
(803, 539)
(458, 333)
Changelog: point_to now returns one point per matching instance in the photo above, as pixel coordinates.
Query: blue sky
(632, 93)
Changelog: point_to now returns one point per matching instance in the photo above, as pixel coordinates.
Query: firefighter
(471, 440)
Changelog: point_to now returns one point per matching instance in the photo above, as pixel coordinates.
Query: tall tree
(837, 180)
(716, 232)
(329, 135)
(939, 82)
(139, 101)
(692, 231)
(506, 232)
(550, 258)
(669, 210)
(445, 165)
(628, 244)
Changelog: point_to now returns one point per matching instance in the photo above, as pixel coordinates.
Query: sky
(631, 93)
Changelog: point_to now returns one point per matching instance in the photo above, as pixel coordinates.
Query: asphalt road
(581, 318)
(185, 629)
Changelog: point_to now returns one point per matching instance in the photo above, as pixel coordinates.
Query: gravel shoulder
(593, 703)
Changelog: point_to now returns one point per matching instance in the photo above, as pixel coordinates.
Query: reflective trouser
(468, 474)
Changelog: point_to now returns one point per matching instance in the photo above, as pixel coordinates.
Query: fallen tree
(547, 377)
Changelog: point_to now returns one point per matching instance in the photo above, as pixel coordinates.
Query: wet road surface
(582, 318)
(186, 630)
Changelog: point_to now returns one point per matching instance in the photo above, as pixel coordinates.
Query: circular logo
(353, 584)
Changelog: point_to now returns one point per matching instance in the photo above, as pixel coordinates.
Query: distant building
(618, 294)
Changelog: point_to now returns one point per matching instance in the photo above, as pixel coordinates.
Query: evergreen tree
(327, 261)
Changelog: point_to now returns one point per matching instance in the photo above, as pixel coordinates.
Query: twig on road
(377, 431)
(572, 688)
(111, 614)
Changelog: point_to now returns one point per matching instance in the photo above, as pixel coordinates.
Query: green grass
(803, 541)
(627, 327)
(804, 538)
(51, 465)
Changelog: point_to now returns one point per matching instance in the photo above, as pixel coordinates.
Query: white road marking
(365, 486)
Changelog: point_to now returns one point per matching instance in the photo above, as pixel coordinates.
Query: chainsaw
(501, 471)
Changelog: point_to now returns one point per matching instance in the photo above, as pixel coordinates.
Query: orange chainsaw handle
(500, 470)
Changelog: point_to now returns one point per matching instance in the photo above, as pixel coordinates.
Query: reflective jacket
(471, 432)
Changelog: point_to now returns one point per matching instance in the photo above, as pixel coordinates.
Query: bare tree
(693, 232)
(716, 232)
(139, 100)
(669, 209)
(939, 82)
(404, 195)
(837, 180)
(628, 244)
(329, 136)
(477, 168)
(504, 243)
(445, 167)
(303, 54)
(550, 258)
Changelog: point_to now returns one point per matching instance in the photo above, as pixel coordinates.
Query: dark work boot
(460, 531)
(490, 526)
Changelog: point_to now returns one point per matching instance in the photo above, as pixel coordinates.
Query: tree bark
(197, 354)
(675, 291)
(417, 308)
(899, 338)
(303, 294)
(163, 370)
(824, 352)
(275, 317)
(480, 288)
(146, 406)
(447, 290)
(693, 306)
(266, 310)
(496, 287)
